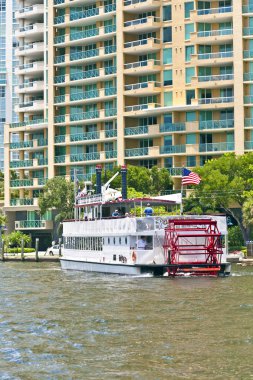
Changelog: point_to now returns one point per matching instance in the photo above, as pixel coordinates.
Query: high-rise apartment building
(142, 82)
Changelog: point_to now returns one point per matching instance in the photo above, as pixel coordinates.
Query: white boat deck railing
(89, 199)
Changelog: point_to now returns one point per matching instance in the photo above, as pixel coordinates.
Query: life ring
(134, 257)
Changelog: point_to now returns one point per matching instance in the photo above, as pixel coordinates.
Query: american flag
(190, 178)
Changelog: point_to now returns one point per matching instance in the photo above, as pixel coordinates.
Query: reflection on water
(72, 325)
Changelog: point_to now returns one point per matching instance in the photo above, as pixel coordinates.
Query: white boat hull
(87, 266)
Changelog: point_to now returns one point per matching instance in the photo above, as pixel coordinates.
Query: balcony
(219, 100)
(212, 59)
(137, 6)
(21, 183)
(248, 54)
(144, 24)
(142, 89)
(248, 31)
(30, 68)
(142, 46)
(212, 36)
(84, 136)
(221, 14)
(248, 77)
(247, 9)
(214, 78)
(34, 31)
(94, 14)
(248, 145)
(248, 99)
(173, 127)
(33, 49)
(86, 36)
(150, 66)
(30, 124)
(94, 53)
(136, 152)
(248, 123)
(140, 109)
(30, 87)
(217, 147)
(150, 130)
(83, 157)
(216, 124)
(172, 149)
(30, 12)
(34, 224)
(31, 106)
(23, 201)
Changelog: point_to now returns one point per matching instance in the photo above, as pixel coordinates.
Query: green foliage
(235, 237)
(14, 239)
(18, 250)
(227, 185)
(132, 193)
(58, 194)
(3, 219)
(158, 211)
(143, 180)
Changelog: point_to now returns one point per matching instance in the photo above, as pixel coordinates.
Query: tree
(143, 180)
(15, 238)
(226, 184)
(58, 194)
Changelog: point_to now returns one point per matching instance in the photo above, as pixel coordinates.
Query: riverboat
(95, 241)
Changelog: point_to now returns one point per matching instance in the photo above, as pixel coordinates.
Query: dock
(30, 257)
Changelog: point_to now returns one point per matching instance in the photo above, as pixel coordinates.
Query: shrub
(18, 250)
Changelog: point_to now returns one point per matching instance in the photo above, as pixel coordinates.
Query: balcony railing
(59, 159)
(139, 21)
(21, 163)
(247, 8)
(248, 77)
(216, 124)
(92, 12)
(111, 133)
(84, 74)
(59, 99)
(21, 201)
(248, 122)
(248, 54)
(176, 171)
(84, 157)
(225, 99)
(84, 34)
(111, 154)
(217, 147)
(60, 139)
(173, 127)
(212, 11)
(21, 144)
(21, 183)
(222, 54)
(212, 33)
(172, 149)
(84, 95)
(30, 122)
(32, 223)
(141, 130)
(59, 119)
(141, 64)
(132, 2)
(84, 115)
(84, 54)
(141, 107)
(59, 79)
(136, 152)
(136, 86)
(141, 42)
(212, 78)
(84, 136)
(248, 99)
(248, 31)
(248, 145)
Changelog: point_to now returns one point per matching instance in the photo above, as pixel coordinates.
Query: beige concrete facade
(155, 82)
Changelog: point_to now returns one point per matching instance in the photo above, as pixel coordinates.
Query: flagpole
(181, 204)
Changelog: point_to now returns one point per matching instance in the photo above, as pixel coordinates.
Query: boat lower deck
(171, 270)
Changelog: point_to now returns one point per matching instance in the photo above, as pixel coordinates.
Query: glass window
(167, 78)
(191, 161)
(167, 13)
(189, 28)
(189, 50)
(190, 94)
(189, 73)
(167, 56)
(188, 7)
(191, 116)
(167, 34)
(168, 98)
(191, 138)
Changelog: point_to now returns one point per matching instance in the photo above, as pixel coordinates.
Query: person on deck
(115, 213)
(141, 243)
(148, 210)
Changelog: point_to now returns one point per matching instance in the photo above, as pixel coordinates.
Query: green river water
(73, 325)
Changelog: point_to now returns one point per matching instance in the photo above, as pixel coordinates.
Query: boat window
(126, 240)
(114, 240)
(114, 258)
(149, 240)
(120, 240)
(109, 242)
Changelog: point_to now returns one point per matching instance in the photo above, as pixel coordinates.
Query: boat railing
(89, 199)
